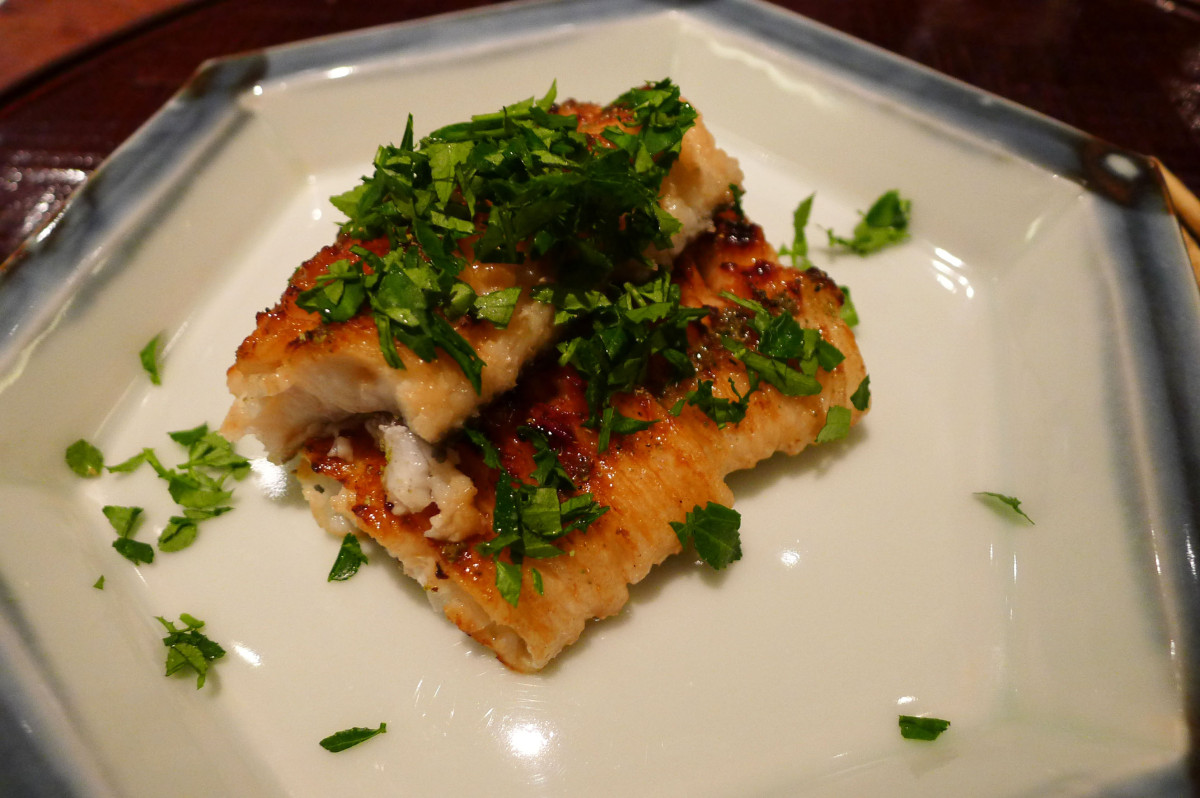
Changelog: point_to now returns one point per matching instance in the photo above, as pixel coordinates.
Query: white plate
(1037, 337)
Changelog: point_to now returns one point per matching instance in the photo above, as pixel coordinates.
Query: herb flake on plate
(125, 521)
(189, 648)
(149, 357)
(84, 459)
(348, 738)
(915, 728)
(1012, 502)
(883, 225)
(713, 530)
(349, 557)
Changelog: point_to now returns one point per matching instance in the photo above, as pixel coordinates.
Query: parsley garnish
(782, 340)
(886, 223)
(197, 485)
(798, 249)
(529, 516)
(738, 192)
(125, 520)
(713, 530)
(636, 324)
(837, 424)
(534, 184)
(1011, 501)
(149, 358)
(349, 557)
(862, 394)
(348, 738)
(848, 313)
(189, 648)
(99, 585)
(84, 459)
(914, 728)
(722, 411)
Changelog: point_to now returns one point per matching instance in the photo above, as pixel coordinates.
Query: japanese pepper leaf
(915, 728)
(348, 738)
(713, 530)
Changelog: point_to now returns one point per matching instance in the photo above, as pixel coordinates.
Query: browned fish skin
(648, 479)
(294, 376)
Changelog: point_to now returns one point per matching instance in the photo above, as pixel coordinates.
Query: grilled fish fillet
(647, 479)
(294, 376)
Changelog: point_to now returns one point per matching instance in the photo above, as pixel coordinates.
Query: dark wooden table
(1127, 71)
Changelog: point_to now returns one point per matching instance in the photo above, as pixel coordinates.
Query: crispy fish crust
(295, 376)
(647, 479)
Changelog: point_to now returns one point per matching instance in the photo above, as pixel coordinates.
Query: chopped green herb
(886, 223)
(1010, 501)
(781, 341)
(349, 557)
(210, 450)
(914, 728)
(738, 192)
(848, 313)
(540, 189)
(639, 324)
(135, 551)
(497, 306)
(508, 580)
(348, 738)
(837, 424)
(713, 530)
(84, 459)
(722, 411)
(197, 485)
(529, 517)
(149, 358)
(798, 249)
(125, 521)
(179, 533)
(862, 394)
(99, 585)
(132, 464)
(189, 648)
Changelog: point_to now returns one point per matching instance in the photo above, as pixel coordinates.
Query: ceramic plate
(1039, 336)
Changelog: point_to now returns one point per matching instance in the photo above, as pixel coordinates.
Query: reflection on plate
(1038, 337)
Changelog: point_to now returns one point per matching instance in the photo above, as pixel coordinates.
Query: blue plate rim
(41, 276)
